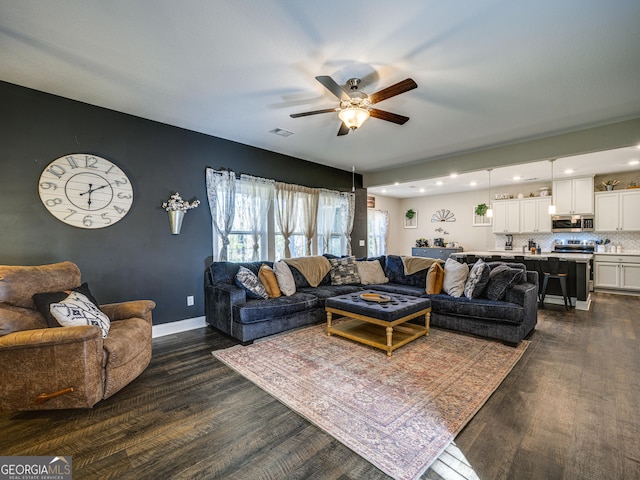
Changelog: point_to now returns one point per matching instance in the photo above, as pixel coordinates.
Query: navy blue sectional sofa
(228, 309)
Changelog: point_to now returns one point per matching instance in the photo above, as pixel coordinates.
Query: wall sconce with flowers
(176, 208)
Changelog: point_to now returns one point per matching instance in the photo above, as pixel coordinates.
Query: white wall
(461, 231)
(401, 239)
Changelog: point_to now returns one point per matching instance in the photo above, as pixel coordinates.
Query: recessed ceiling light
(634, 162)
(473, 183)
(439, 182)
(568, 171)
(453, 175)
(384, 190)
(397, 183)
(516, 178)
(422, 190)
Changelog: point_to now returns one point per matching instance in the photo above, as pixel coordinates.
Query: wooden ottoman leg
(389, 340)
(427, 321)
(329, 324)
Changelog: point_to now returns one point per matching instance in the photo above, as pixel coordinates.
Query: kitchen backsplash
(628, 240)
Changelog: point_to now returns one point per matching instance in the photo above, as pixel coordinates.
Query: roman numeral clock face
(85, 191)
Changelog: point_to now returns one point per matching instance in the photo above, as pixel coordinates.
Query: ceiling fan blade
(314, 112)
(343, 129)
(388, 116)
(393, 90)
(331, 85)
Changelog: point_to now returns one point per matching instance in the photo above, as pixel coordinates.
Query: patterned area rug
(398, 412)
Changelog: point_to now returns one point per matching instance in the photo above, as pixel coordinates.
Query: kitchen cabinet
(506, 216)
(617, 211)
(573, 196)
(617, 272)
(534, 215)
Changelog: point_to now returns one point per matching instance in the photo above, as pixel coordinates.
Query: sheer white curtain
(349, 205)
(259, 192)
(307, 205)
(221, 193)
(286, 212)
(378, 232)
(329, 202)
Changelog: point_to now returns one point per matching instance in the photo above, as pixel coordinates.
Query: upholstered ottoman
(370, 310)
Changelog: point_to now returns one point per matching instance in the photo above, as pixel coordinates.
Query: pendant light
(489, 210)
(552, 206)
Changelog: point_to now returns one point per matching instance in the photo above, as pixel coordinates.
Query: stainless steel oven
(572, 223)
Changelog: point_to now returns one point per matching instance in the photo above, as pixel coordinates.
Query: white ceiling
(489, 72)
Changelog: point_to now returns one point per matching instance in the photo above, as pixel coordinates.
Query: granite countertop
(624, 252)
(577, 257)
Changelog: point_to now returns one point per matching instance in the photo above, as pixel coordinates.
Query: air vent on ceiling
(282, 132)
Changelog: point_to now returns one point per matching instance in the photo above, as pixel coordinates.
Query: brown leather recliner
(45, 368)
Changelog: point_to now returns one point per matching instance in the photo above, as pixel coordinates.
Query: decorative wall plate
(443, 215)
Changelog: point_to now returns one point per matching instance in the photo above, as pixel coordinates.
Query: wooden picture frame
(480, 220)
(411, 222)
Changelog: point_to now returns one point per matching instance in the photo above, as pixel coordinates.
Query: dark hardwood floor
(568, 410)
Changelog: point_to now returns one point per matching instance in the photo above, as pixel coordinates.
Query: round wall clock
(85, 191)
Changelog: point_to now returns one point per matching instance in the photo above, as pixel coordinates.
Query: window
(255, 215)
(331, 209)
(377, 232)
(240, 247)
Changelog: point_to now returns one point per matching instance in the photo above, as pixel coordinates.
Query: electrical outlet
(362, 243)
(190, 301)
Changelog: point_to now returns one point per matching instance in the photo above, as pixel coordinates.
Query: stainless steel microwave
(572, 223)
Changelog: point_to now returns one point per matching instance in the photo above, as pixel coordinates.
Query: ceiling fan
(355, 105)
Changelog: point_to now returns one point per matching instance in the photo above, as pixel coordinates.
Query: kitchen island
(578, 280)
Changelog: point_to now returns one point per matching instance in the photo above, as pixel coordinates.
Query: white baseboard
(180, 326)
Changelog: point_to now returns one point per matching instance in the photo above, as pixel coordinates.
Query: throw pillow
(455, 277)
(435, 279)
(43, 302)
(285, 278)
(478, 280)
(77, 310)
(249, 281)
(344, 271)
(501, 279)
(268, 279)
(370, 272)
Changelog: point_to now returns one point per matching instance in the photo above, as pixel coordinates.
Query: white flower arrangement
(177, 203)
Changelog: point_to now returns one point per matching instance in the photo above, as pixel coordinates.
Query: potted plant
(481, 209)
(609, 184)
(410, 214)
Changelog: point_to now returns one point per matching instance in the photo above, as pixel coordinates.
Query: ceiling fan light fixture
(353, 117)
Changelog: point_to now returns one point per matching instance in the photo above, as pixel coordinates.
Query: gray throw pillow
(344, 271)
(501, 279)
(250, 282)
(478, 280)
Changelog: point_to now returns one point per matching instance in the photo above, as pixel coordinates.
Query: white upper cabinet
(618, 211)
(573, 196)
(506, 217)
(534, 215)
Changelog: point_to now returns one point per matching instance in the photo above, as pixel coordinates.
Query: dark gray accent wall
(137, 258)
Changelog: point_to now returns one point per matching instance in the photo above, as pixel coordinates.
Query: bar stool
(470, 259)
(553, 268)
